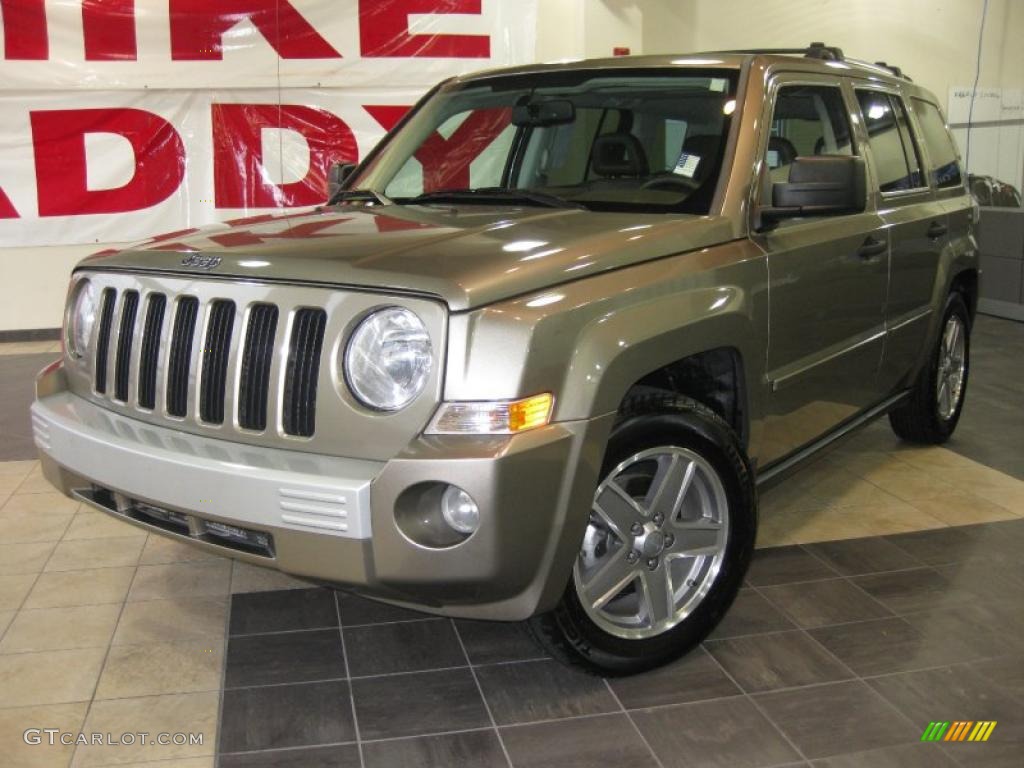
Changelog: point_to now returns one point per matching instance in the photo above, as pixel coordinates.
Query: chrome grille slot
(152, 331)
(103, 339)
(257, 357)
(125, 337)
(303, 370)
(180, 359)
(215, 361)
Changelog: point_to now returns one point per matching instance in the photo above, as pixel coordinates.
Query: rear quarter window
(944, 165)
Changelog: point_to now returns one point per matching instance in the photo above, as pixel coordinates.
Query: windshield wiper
(491, 194)
(370, 195)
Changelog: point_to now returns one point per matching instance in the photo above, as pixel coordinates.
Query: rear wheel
(669, 538)
(931, 413)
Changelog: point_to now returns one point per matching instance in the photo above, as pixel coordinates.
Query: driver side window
(808, 120)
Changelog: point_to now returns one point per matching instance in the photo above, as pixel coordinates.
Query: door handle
(936, 230)
(872, 247)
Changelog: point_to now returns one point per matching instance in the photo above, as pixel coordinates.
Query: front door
(828, 279)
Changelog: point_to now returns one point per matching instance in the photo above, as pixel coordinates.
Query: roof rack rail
(894, 69)
(813, 51)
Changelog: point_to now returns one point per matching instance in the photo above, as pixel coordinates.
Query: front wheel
(669, 538)
(933, 409)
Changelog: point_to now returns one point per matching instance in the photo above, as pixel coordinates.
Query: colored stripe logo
(959, 730)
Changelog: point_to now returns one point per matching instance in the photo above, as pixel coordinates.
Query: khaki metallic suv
(538, 353)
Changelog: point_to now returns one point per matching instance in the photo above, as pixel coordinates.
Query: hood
(467, 256)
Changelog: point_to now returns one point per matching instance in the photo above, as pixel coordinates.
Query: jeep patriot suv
(536, 355)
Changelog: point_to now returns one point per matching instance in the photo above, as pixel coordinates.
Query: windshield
(616, 140)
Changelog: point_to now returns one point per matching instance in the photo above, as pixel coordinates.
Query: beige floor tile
(29, 347)
(8, 485)
(95, 553)
(908, 483)
(1009, 498)
(26, 527)
(194, 713)
(179, 620)
(35, 483)
(204, 579)
(40, 504)
(963, 509)
(57, 629)
(187, 762)
(91, 587)
(844, 523)
(25, 558)
(51, 677)
(844, 489)
(5, 620)
(160, 550)
(13, 589)
(252, 578)
(98, 525)
(147, 670)
(18, 469)
(67, 718)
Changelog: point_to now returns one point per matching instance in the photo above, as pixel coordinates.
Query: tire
(655, 434)
(925, 417)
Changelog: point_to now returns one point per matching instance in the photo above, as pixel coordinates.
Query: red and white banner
(121, 119)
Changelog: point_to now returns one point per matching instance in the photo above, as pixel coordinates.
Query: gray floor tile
(915, 590)
(694, 677)
(856, 557)
(290, 657)
(751, 614)
(819, 603)
(606, 740)
(726, 733)
(833, 719)
(883, 646)
(488, 642)
(356, 611)
(283, 610)
(781, 660)
(939, 546)
(417, 704)
(542, 690)
(984, 629)
(338, 756)
(784, 565)
(286, 716)
(473, 749)
(1005, 673)
(407, 646)
(903, 756)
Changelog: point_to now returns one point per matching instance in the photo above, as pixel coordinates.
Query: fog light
(459, 510)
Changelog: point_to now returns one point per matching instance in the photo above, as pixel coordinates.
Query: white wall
(935, 41)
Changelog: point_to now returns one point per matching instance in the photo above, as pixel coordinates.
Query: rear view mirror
(552, 112)
(818, 185)
(337, 174)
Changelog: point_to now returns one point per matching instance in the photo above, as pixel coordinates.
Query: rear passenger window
(896, 156)
(808, 120)
(944, 168)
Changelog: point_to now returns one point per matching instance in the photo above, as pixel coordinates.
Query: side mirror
(819, 185)
(337, 175)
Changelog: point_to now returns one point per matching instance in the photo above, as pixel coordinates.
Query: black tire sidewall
(713, 442)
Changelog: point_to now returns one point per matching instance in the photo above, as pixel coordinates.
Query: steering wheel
(671, 181)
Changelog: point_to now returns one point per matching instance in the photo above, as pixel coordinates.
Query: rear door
(917, 224)
(828, 277)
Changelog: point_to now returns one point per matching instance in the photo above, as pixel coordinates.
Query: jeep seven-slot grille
(215, 361)
(303, 371)
(129, 308)
(150, 355)
(180, 358)
(254, 385)
(169, 330)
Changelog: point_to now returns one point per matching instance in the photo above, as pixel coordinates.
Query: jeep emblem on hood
(199, 261)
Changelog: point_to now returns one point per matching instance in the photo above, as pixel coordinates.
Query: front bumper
(332, 519)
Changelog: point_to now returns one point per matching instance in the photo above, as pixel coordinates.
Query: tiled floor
(836, 653)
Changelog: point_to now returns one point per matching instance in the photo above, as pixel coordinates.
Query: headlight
(388, 359)
(82, 320)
